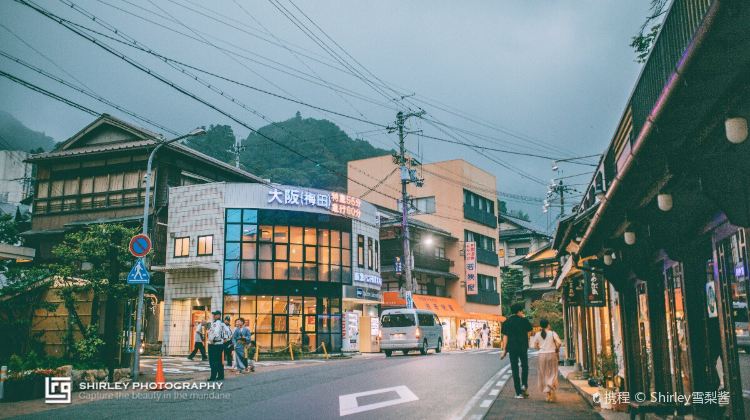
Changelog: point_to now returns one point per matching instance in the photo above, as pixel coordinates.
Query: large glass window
(360, 251)
(286, 250)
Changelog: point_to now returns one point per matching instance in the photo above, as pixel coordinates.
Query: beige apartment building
(459, 198)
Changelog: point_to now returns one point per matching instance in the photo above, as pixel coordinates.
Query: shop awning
(443, 307)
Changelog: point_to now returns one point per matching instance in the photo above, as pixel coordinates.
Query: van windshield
(398, 320)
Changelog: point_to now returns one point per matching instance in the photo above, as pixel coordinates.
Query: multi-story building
(15, 177)
(97, 176)
(518, 238)
(539, 271)
(301, 266)
(457, 199)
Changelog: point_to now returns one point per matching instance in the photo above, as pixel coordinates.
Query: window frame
(361, 251)
(182, 247)
(204, 254)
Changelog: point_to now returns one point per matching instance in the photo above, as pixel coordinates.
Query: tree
(644, 40)
(511, 286)
(94, 260)
(549, 308)
(217, 143)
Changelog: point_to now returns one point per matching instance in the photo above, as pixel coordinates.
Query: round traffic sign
(140, 245)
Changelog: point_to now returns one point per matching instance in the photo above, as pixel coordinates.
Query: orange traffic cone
(160, 380)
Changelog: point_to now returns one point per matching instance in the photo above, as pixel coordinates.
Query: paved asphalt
(443, 385)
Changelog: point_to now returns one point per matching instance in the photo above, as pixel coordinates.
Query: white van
(410, 329)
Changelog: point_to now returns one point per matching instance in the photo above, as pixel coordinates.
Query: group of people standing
(231, 344)
(516, 343)
(478, 338)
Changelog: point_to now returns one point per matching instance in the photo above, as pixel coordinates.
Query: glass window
(71, 186)
(346, 275)
(323, 238)
(279, 324)
(233, 215)
(265, 270)
(335, 273)
(346, 257)
(280, 270)
(233, 232)
(231, 287)
(346, 240)
(101, 184)
(310, 236)
(369, 254)
(249, 270)
(295, 271)
(87, 185)
(115, 182)
(264, 305)
(232, 270)
(310, 254)
(249, 233)
(266, 233)
(182, 247)
(335, 238)
(310, 306)
(232, 251)
(280, 305)
(310, 272)
(247, 305)
(324, 272)
(377, 256)
(323, 255)
(295, 253)
(282, 252)
(232, 304)
(397, 320)
(361, 251)
(250, 216)
(281, 234)
(335, 256)
(263, 324)
(295, 235)
(265, 252)
(248, 250)
(206, 245)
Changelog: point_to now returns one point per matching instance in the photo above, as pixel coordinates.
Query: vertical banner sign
(470, 256)
(593, 289)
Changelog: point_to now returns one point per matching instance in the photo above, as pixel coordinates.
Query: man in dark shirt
(516, 342)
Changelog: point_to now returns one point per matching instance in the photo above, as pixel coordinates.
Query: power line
(48, 93)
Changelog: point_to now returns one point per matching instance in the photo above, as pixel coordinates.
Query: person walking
(228, 345)
(485, 336)
(461, 337)
(218, 335)
(516, 342)
(548, 344)
(198, 342)
(477, 337)
(241, 338)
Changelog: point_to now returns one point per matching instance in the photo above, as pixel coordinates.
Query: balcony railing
(677, 32)
(487, 257)
(432, 263)
(480, 216)
(485, 297)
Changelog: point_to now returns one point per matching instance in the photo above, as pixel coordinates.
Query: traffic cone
(160, 380)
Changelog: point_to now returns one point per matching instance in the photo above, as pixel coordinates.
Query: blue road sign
(138, 274)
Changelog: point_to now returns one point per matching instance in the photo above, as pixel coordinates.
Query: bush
(88, 350)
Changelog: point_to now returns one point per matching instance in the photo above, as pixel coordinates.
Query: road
(435, 386)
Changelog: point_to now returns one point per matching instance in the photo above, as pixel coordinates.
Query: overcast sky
(548, 77)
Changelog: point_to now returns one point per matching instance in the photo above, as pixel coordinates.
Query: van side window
(426, 320)
(437, 321)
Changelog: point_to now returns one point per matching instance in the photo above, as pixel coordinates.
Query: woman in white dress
(485, 336)
(461, 337)
(548, 343)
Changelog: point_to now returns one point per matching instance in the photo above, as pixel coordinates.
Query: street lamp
(146, 202)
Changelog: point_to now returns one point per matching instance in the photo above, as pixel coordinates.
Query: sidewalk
(568, 405)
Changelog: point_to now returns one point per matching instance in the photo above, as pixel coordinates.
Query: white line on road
(486, 403)
(494, 392)
(348, 404)
(480, 394)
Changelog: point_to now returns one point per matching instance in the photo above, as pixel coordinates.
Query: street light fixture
(146, 203)
(736, 129)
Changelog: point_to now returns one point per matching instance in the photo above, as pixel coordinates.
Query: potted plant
(607, 368)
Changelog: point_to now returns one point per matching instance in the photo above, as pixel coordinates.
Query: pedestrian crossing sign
(138, 274)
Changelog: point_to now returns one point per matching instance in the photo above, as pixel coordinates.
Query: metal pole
(146, 203)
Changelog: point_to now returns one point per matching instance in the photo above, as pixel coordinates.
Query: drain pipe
(655, 113)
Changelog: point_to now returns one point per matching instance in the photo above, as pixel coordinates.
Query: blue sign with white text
(138, 274)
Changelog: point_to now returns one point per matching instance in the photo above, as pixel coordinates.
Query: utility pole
(561, 191)
(407, 176)
(557, 191)
(236, 149)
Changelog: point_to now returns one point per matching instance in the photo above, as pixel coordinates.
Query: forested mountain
(321, 140)
(16, 136)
